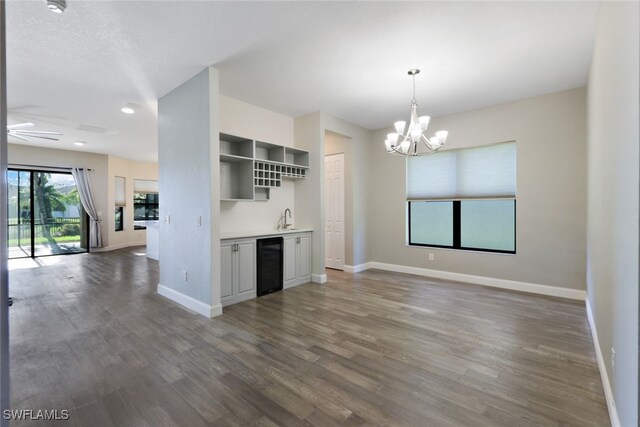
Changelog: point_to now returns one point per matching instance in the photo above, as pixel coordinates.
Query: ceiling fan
(18, 131)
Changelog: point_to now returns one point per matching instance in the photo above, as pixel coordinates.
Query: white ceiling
(348, 59)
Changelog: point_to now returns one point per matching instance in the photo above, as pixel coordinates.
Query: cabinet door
(290, 249)
(246, 257)
(304, 256)
(226, 271)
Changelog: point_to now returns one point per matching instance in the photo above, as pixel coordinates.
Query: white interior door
(334, 211)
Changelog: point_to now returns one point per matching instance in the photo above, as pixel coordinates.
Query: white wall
(188, 158)
(130, 170)
(550, 132)
(612, 261)
(246, 120)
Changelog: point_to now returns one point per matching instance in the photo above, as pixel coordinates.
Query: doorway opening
(45, 216)
(334, 243)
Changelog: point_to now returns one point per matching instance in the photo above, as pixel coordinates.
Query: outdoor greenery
(68, 230)
(48, 228)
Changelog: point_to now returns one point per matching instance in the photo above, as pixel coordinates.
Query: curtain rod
(22, 165)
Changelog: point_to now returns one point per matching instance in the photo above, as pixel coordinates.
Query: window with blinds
(120, 191)
(464, 199)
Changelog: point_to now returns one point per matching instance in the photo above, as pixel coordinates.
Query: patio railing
(19, 230)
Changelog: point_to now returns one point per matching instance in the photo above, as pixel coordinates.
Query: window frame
(457, 229)
(147, 205)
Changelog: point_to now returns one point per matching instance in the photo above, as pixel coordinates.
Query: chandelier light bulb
(399, 125)
(416, 133)
(405, 145)
(436, 142)
(442, 134)
(56, 6)
(424, 122)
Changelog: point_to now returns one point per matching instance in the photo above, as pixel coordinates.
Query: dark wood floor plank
(90, 334)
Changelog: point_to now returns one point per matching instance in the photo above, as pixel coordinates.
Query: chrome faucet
(285, 225)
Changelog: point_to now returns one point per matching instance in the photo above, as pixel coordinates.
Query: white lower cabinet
(238, 260)
(238, 272)
(297, 259)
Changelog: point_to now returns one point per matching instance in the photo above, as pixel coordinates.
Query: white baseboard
(118, 246)
(238, 299)
(606, 384)
(319, 278)
(482, 280)
(190, 303)
(356, 268)
(298, 282)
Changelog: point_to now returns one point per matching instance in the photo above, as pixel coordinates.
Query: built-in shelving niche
(250, 169)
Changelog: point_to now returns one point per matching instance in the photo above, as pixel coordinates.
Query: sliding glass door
(19, 213)
(45, 214)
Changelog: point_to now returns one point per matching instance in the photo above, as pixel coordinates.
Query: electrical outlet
(431, 257)
(184, 275)
(613, 360)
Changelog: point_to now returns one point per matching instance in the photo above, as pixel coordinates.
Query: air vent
(95, 129)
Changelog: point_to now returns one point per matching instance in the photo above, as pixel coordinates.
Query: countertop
(247, 234)
(148, 224)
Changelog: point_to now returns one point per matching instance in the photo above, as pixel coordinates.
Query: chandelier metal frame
(406, 144)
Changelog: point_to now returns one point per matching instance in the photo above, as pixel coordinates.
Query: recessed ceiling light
(56, 6)
(129, 108)
(79, 143)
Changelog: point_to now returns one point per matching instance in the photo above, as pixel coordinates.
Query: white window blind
(145, 186)
(468, 173)
(120, 191)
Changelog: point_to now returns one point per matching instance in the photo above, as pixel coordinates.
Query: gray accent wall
(612, 234)
(188, 165)
(309, 210)
(550, 132)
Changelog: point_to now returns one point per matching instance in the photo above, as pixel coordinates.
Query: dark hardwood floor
(90, 334)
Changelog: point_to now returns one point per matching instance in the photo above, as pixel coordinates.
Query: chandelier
(400, 143)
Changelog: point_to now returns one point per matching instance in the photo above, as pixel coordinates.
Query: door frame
(344, 199)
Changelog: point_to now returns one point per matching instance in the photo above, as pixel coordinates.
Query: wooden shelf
(250, 169)
(235, 179)
(293, 156)
(236, 146)
(232, 158)
(269, 152)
